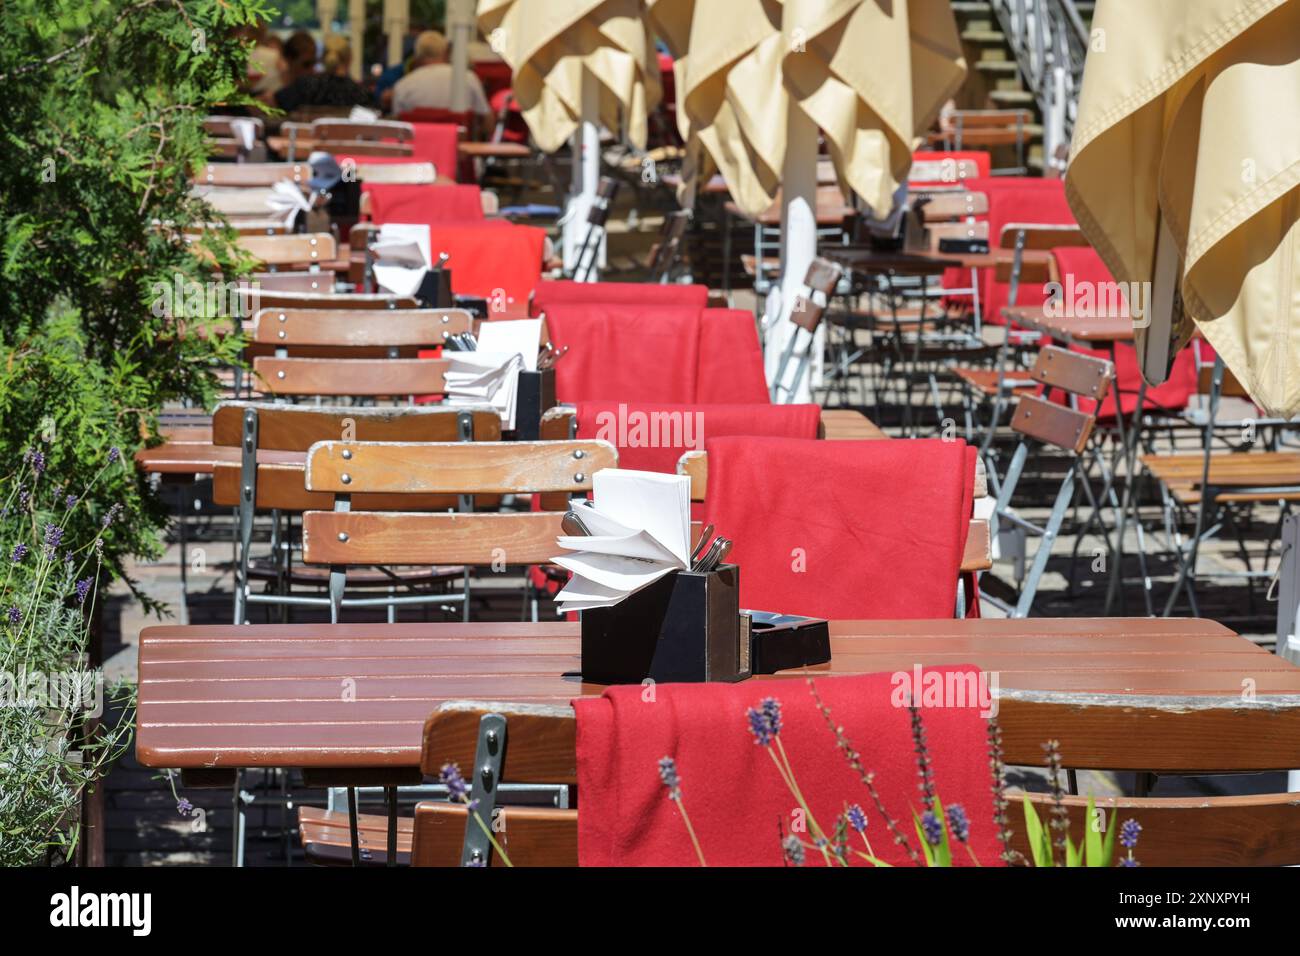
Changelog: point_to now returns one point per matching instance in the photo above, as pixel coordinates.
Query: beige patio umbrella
(758, 79)
(577, 65)
(1186, 175)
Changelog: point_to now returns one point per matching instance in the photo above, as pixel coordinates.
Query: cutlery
(705, 535)
(572, 525)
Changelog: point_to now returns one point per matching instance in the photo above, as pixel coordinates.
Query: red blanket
(425, 204)
(731, 790)
(566, 292)
(652, 437)
(638, 352)
(1083, 271)
(438, 143)
(490, 256)
(843, 529)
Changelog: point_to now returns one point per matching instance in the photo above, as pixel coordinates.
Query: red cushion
(423, 204)
(565, 291)
(737, 802)
(653, 436)
(1084, 265)
(843, 529)
(731, 358)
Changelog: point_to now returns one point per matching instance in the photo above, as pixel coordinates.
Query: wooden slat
(358, 147)
(315, 376)
(255, 299)
(333, 537)
(359, 327)
(1073, 372)
(541, 740)
(513, 468)
(252, 174)
(281, 486)
(530, 836)
(1041, 236)
(322, 282)
(1052, 424)
(298, 427)
(282, 250)
(335, 129)
(956, 205)
(399, 174)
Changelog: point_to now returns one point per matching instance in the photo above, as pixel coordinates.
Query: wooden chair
(806, 314)
(353, 377)
(273, 296)
(267, 479)
(1044, 423)
(317, 282)
(537, 744)
(353, 333)
(343, 537)
(964, 129)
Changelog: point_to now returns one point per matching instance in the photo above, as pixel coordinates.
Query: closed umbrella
(1185, 175)
(577, 65)
(758, 80)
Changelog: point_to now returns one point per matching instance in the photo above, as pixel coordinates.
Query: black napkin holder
(786, 641)
(958, 246)
(535, 397)
(684, 628)
(435, 289)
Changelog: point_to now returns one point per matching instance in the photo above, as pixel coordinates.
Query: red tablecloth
(653, 436)
(843, 529)
(736, 800)
(425, 204)
(1085, 267)
(567, 292)
(656, 353)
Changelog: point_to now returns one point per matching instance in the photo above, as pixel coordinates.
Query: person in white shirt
(427, 85)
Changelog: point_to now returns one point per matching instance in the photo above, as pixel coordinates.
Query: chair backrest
(332, 129)
(402, 174)
(1040, 236)
(286, 328)
(959, 204)
(539, 745)
(223, 125)
(356, 377)
(956, 230)
(350, 537)
(320, 282)
(310, 247)
(295, 428)
(822, 276)
(252, 174)
(365, 147)
(1074, 374)
(666, 252)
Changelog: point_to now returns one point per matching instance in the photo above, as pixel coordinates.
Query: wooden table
(847, 424)
(351, 700)
(1088, 331)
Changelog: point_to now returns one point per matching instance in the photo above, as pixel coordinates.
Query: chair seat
(314, 575)
(327, 841)
(1248, 471)
(985, 381)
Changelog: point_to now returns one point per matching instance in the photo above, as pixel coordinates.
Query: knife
(705, 535)
(572, 525)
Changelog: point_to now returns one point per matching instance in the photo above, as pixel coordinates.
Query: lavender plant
(55, 742)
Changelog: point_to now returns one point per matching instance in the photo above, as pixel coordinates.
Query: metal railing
(1049, 41)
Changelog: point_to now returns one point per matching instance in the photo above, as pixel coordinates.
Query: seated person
(427, 85)
(330, 87)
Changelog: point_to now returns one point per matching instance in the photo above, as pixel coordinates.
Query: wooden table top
(495, 150)
(355, 696)
(201, 458)
(848, 424)
(1088, 330)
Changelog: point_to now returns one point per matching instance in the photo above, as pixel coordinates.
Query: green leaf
(1092, 848)
(926, 849)
(943, 852)
(1108, 848)
(1034, 832)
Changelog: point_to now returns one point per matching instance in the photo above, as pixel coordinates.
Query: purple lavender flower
(1128, 833)
(765, 721)
(53, 537)
(24, 496)
(114, 454)
(71, 501)
(451, 778)
(19, 552)
(958, 822)
(111, 514)
(793, 850)
(668, 774)
(83, 588)
(1128, 861)
(932, 828)
(857, 818)
(36, 459)
(183, 806)
(14, 614)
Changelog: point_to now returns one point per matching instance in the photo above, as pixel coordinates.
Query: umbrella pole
(798, 249)
(586, 178)
(460, 30)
